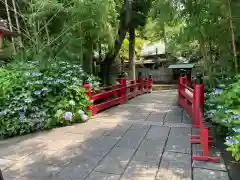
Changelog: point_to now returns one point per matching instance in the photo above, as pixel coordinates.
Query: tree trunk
(17, 22)
(232, 35)
(88, 60)
(10, 23)
(132, 73)
(107, 63)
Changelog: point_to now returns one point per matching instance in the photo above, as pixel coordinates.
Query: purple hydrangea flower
(68, 116)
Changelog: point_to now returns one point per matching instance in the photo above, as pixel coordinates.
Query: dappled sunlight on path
(147, 138)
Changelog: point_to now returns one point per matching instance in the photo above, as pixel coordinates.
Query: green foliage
(124, 51)
(70, 30)
(222, 107)
(35, 97)
(203, 26)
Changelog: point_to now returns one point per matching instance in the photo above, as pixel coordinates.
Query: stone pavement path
(146, 139)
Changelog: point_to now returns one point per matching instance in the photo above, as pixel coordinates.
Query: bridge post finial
(199, 78)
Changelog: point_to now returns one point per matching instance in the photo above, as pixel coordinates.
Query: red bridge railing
(191, 98)
(109, 96)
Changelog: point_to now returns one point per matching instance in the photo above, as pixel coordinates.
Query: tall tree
(127, 20)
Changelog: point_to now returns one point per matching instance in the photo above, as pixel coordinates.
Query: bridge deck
(146, 139)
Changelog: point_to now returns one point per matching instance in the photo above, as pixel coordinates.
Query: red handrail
(192, 101)
(122, 92)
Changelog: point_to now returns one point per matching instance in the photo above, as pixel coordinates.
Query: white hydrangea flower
(84, 117)
(81, 112)
(71, 102)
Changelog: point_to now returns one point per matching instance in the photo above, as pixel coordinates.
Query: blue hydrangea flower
(68, 116)
(60, 81)
(22, 116)
(217, 91)
(230, 140)
(38, 92)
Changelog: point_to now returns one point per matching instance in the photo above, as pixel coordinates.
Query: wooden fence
(161, 75)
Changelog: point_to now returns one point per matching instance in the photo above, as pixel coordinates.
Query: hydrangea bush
(223, 108)
(35, 97)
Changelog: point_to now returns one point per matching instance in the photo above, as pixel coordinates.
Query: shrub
(36, 96)
(222, 107)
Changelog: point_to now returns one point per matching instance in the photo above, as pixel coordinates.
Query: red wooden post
(184, 100)
(149, 83)
(180, 87)
(140, 80)
(198, 100)
(88, 88)
(123, 84)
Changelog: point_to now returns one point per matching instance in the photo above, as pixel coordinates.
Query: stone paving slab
(173, 118)
(149, 151)
(179, 144)
(102, 176)
(116, 161)
(158, 133)
(175, 166)
(200, 174)
(177, 125)
(101, 147)
(156, 117)
(76, 170)
(139, 116)
(180, 132)
(140, 171)
(119, 130)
